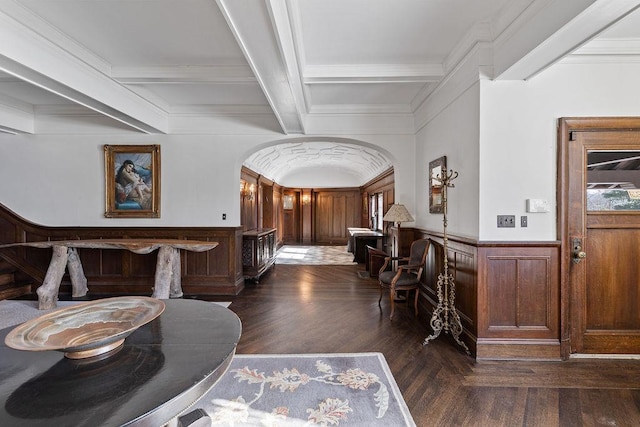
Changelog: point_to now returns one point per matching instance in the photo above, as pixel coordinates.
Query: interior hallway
(328, 308)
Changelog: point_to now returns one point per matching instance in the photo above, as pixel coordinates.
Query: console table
(168, 274)
(162, 369)
(359, 239)
(258, 252)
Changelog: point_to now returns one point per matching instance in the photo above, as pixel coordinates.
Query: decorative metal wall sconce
(247, 191)
(445, 317)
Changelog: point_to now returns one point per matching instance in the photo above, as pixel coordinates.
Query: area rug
(314, 255)
(306, 390)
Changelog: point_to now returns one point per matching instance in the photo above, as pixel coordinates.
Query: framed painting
(132, 181)
(436, 169)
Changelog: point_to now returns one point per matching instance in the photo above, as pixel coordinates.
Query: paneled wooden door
(335, 211)
(602, 235)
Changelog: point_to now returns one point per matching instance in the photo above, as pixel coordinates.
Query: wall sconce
(306, 199)
(247, 191)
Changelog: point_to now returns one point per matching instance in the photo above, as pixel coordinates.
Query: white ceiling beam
(551, 29)
(373, 73)
(252, 25)
(32, 58)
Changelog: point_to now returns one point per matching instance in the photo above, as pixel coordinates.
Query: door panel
(335, 211)
(612, 281)
(603, 217)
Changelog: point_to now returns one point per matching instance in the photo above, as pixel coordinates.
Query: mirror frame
(436, 167)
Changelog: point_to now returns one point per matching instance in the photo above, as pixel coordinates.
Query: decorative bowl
(87, 329)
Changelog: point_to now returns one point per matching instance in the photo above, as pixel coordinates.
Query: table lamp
(398, 214)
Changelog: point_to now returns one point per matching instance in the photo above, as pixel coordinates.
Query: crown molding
(614, 47)
(16, 116)
(238, 73)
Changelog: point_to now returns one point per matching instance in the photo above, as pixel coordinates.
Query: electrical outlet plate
(506, 221)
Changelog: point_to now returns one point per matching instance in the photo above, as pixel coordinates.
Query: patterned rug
(306, 390)
(314, 255)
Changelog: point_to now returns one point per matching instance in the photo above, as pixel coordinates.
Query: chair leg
(415, 303)
(380, 299)
(391, 295)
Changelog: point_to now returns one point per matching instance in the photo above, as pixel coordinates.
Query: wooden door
(334, 212)
(291, 218)
(602, 240)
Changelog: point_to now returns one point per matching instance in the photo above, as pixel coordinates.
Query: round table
(161, 370)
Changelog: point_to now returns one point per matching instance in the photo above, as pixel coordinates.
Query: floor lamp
(398, 214)
(445, 316)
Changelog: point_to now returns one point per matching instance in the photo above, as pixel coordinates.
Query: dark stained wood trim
(115, 271)
(479, 297)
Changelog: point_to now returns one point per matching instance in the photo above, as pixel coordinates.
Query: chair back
(418, 252)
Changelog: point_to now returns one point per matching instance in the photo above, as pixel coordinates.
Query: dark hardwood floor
(329, 309)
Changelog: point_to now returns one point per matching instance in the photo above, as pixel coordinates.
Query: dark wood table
(359, 239)
(161, 370)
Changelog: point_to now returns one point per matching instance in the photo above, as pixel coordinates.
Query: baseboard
(518, 350)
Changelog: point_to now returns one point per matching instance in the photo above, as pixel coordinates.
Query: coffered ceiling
(289, 66)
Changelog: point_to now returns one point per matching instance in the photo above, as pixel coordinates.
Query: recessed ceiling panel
(207, 94)
(144, 33)
(364, 93)
(386, 32)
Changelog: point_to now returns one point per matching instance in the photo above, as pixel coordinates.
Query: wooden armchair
(407, 276)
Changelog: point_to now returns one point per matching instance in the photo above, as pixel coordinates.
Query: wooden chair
(407, 276)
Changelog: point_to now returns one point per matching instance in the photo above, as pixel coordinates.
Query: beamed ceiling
(293, 67)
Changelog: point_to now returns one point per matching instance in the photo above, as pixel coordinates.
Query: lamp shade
(398, 213)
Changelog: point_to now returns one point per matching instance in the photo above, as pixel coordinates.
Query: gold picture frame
(436, 168)
(132, 181)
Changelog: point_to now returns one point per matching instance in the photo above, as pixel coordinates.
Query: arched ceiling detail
(286, 161)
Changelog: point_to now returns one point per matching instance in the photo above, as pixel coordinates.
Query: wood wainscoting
(121, 272)
(507, 295)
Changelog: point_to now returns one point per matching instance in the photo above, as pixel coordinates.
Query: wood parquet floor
(329, 309)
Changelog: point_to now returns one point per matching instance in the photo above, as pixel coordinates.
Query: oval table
(162, 369)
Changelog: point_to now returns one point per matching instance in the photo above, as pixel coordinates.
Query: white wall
(59, 180)
(453, 133)
(518, 137)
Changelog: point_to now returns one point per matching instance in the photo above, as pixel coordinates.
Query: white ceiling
(147, 63)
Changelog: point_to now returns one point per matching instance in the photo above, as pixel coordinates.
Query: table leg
(164, 271)
(48, 292)
(76, 273)
(176, 276)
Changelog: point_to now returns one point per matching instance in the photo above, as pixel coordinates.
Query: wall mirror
(436, 169)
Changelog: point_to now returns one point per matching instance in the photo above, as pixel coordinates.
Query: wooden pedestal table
(160, 371)
(167, 283)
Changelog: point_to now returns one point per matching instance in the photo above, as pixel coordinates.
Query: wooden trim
(114, 272)
(565, 126)
(490, 323)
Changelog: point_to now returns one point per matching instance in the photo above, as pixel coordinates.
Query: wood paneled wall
(249, 204)
(385, 184)
(335, 211)
(507, 295)
(121, 272)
